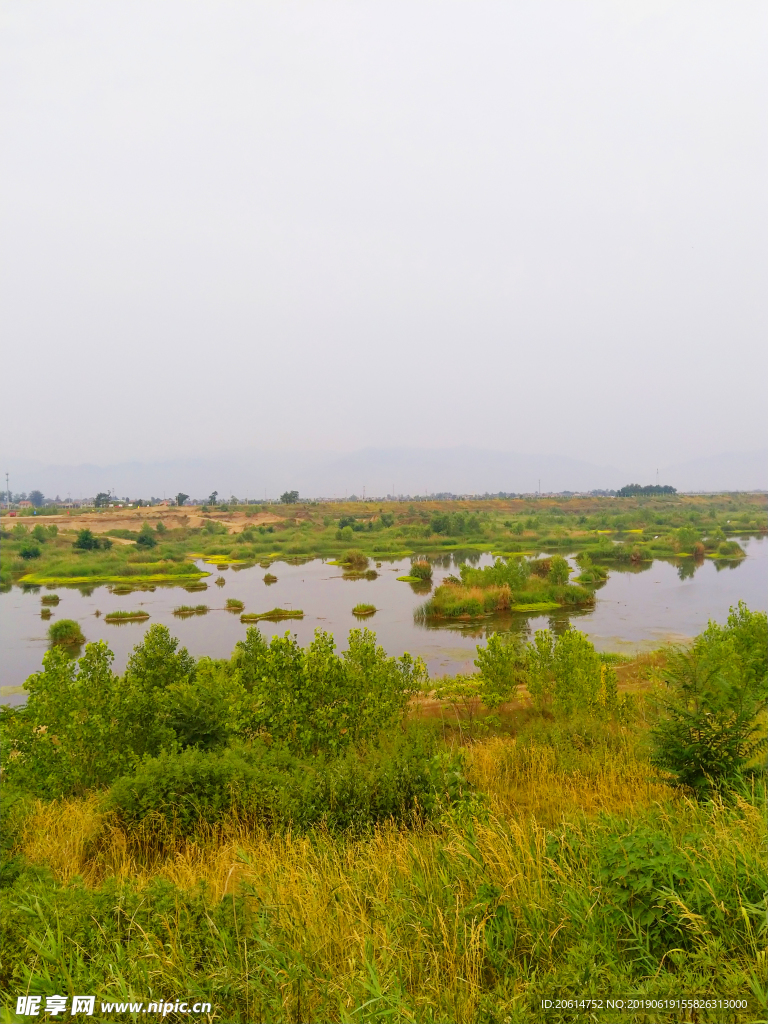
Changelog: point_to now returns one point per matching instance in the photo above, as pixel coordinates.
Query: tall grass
(477, 918)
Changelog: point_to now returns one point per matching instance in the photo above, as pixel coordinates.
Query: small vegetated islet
(65, 632)
(274, 615)
(136, 615)
(186, 610)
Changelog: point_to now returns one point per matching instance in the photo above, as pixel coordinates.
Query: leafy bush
(502, 664)
(176, 792)
(311, 699)
(87, 541)
(146, 537)
(730, 549)
(66, 631)
(715, 692)
(511, 572)
(69, 736)
(565, 671)
(559, 571)
(421, 569)
(29, 550)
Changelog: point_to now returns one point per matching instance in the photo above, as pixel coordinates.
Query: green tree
(29, 550)
(715, 692)
(311, 699)
(559, 571)
(502, 664)
(88, 541)
(37, 498)
(40, 533)
(156, 674)
(213, 497)
(289, 497)
(70, 735)
(564, 671)
(147, 537)
(181, 498)
(685, 538)
(102, 498)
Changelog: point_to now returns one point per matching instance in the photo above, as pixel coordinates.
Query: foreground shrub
(272, 787)
(311, 699)
(711, 732)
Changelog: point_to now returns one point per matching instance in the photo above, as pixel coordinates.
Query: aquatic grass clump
(186, 610)
(354, 574)
(65, 632)
(421, 569)
(45, 613)
(458, 602)
(364, 610)
(730, 549)
(120, 617)
(233, 605)
(193, 588)
(355, 560)
(275, 615)
(50, 599)
(269, 579)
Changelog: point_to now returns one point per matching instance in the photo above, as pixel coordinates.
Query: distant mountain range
(376, 472)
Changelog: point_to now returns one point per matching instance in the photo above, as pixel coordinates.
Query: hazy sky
(534, 226)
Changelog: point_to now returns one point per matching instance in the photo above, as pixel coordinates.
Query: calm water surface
(634, 611)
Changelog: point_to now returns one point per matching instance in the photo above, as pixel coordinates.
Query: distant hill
(378, 471)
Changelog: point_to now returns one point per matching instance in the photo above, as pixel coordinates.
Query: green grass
(132, 616)
(51, 599)
(273, 616)
(557, 863)
(65, 632)
(185, 610)
(233, 605)
(363, 610)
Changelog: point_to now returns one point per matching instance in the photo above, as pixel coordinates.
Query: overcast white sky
(537, 226)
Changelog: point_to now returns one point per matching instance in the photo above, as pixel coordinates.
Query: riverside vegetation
(296, 834)
(621, 533)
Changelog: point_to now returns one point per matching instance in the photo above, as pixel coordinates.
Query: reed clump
(274, 615)
(131, 616)
(187, 610)
(66, 632)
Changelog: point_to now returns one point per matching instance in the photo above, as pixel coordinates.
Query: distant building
(25, 504)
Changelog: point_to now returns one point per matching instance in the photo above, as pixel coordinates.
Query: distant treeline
(632, 489)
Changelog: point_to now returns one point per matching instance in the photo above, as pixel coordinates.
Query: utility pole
(7, 493)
